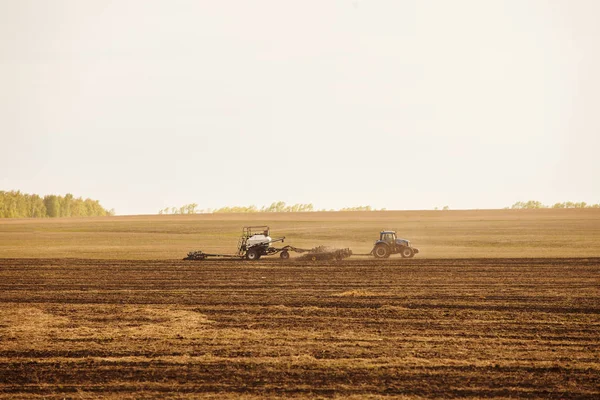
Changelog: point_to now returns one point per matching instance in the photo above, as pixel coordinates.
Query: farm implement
(322, 253)
(256, 242)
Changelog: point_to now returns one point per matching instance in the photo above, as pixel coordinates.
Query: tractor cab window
(388, 237)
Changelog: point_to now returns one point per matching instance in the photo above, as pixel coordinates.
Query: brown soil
(358, 328)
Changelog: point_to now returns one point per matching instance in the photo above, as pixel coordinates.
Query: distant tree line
(360, 208)
(15, 204)
(185, 209)
(533, 204)
(278, 206)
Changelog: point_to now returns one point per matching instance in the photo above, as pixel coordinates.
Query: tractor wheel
(381, 251)
(407, 252)
(284, 255)
(252, 255)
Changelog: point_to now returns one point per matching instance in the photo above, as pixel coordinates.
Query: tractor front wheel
(381, 251)
(407, 252)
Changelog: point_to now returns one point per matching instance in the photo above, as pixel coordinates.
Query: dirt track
(434, 328)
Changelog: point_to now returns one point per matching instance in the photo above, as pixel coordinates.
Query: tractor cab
(387, 236)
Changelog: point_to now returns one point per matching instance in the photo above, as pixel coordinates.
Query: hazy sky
(396, 104)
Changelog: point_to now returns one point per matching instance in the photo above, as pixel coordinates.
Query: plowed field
(441, 328)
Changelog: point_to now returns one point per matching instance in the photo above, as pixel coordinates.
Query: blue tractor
(388, 244)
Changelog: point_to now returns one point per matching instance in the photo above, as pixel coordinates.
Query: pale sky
(397, 104)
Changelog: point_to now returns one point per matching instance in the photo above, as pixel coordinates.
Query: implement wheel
(381, 251)
(252, 255)
(284, 255)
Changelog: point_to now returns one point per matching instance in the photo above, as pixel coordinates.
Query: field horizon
(438, 234)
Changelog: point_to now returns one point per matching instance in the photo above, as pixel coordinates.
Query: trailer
(256, 242)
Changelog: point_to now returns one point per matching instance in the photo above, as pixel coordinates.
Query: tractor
(388, 244)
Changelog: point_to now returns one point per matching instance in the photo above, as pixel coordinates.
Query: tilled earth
(72, 328)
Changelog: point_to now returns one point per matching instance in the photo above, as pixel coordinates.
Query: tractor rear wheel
(381, 251)
(252, 255)
(284, 255)
(407, 252)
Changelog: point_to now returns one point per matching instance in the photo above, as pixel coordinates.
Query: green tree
(52, 204)
(38, 209)
(65, 205)
(78, 208)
